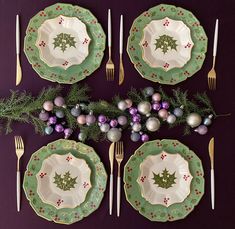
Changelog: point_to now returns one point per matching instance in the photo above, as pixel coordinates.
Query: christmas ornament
(193, 120)
(48, 106)
(48, 130)
(113, 123)
(144, 138)
(67, 133)
(136, 127)
(144, 107)
(43, 116)
(136, 118)
(122, 120)
(156, 97)
(52, 120)
(75, 111)
(90, 119)
(59, 114)
(128, 103)
(148, 91)
(165, 105)
(59, 101)
(171, 119)
(163, 114)
(202, 129)
(104, 127)
(102, 119)
(133, 111)
(178, 112)
(114, 135)
(135, 137)
(156, 106)
(152, 124)
(82, 136)
(208, 120)
(122, 105)
(59, 128)
(81, 119)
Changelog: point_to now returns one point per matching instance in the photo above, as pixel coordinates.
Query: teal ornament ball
(82, 137)
(148, 91)
(208, 120)
(48, 130)
(59, 114)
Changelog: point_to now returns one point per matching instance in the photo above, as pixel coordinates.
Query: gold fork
(19, 146)
(212, 74)
(109, 64)
(119, 155)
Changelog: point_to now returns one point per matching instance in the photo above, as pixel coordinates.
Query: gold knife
(18, 67)
(111, 157)
(211, 154)
(121, 69)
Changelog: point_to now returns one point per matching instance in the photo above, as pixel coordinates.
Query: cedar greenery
(25, 108)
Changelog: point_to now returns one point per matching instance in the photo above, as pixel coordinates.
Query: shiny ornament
(81, 119)
(67, 133)
(156, 106)
(59, 114)
(59, 128)
(48, 106)
(163, 114)
(144, 107)
(144, 138)
(75, 111)
(193, 120)
(133, 110)
(165, 105)
(113, 123)
(136, 118)
(156, 97)
(135, 137)
(52, 120)
(171, 119)
(59, 101)
(136, 127)
(43, 116)
(122, 120)
(48, 130)
(90, 119)
(114, 135)
(122, 105)
(152, 124)
(104, 127)
(102, 119)
(178, 112)
(202, 129)
(82, 137)
(208, 120)
(128, 102)
(148, 91)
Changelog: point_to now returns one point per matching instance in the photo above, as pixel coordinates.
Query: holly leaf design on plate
(165, 43)
(164, 179)
(66, 182)
(63, 41)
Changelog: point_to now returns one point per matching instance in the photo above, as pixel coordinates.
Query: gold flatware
(119, 155)
(212, 73)
(121, 69)
(19, 147)
(211, 154)
(18, 67)
(109, 64)
(111, 157)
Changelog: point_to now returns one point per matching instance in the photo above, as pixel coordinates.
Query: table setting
(117, 115)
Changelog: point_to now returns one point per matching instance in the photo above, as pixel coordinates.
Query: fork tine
(122, 151)
(21, 142)
(15, 142)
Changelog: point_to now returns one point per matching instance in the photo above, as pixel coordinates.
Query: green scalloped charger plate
(74, 73)
(159, 212)
(94, 195)
(175, 75)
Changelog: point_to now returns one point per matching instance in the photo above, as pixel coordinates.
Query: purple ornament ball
(122, 120)
(144, 138)
(113, 123)
(133, 110)
(52, 120)
(90, 119)
(102, 119)
(156, 106)
(136, 118)
(59, 128)
(59, 101)
(165, 105)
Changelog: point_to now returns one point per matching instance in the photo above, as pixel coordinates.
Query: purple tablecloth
(206, 11)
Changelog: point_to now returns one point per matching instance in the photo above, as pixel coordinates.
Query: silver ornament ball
(136, 127)
(171, 119)
(135, 137)
(178, 112)
(104, 127)
(122, 105)
(152, 124)
(114, 135)
(193, 120)
(144, 107)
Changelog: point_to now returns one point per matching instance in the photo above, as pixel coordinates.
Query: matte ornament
(114, 135)
(148, 91)
(48, 130)
(163, 114)
(202, 129)
(43, 116)
(81, 119)
(144, 107)
(59, 128)
(59, 114)
(178, 112)
(48, 106)
(75, 111)
(104, 127)
(67, 133)
(136, 127)
(122, 105)
(193, 120)
(152, 124)
(128, 102)
(90, 119)
(122, 120)
(171, 119)
(156, 97)
(59, 101)
(135, 137)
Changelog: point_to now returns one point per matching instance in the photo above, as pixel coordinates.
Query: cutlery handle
(18, 70)
(121, 35)
(110, 194)
(17, 35)
(18, 190)
(118, 195)
(216, 37)
(212, 189)
(109, 28)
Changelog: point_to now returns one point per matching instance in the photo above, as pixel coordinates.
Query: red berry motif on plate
(135, 29)
(31, 193)
(132, 48)
(31, 29)
(61, 20)
(29, 174)
(129, 169)
(186, 177)
(86, 71)
(58, 8)
(175, 144)
(52, 147)
(140, 153)
(76, 216)
(187, 208)
(145, 44)
(189, 157)
(147, 14)
(85, 41)
(36, 158)
(163, 156)
(199, 57)
(65, 63)
(42, 44)
(170, 217)
(137, 203)
(37, 65)
(180, 13)
(159, 144)
(72, 79)
(128, 186)
(29, 48)
(196, 24)
(199, 173)
(166, 23)
(41, 210)
(162, 9)
(152, 215)
(166, 200)
(198, 192)
(85, 184)
(138, 64)
(56, 218)
(42, 14)
(153, 75)
(142, 179)
(42, 175)
(93, 205)
(69, 158)
(59, 202)
(188, 45)
(101, 188)
(186, 73)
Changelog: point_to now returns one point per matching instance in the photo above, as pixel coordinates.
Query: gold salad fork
(212, 74)
(109, 64)
(19, 147)
(119, 155)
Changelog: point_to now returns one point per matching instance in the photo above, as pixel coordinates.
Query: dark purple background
(223, 128)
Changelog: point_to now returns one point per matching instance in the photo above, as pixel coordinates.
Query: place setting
(163, 179)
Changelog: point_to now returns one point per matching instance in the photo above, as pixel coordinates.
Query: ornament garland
(143, 112)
